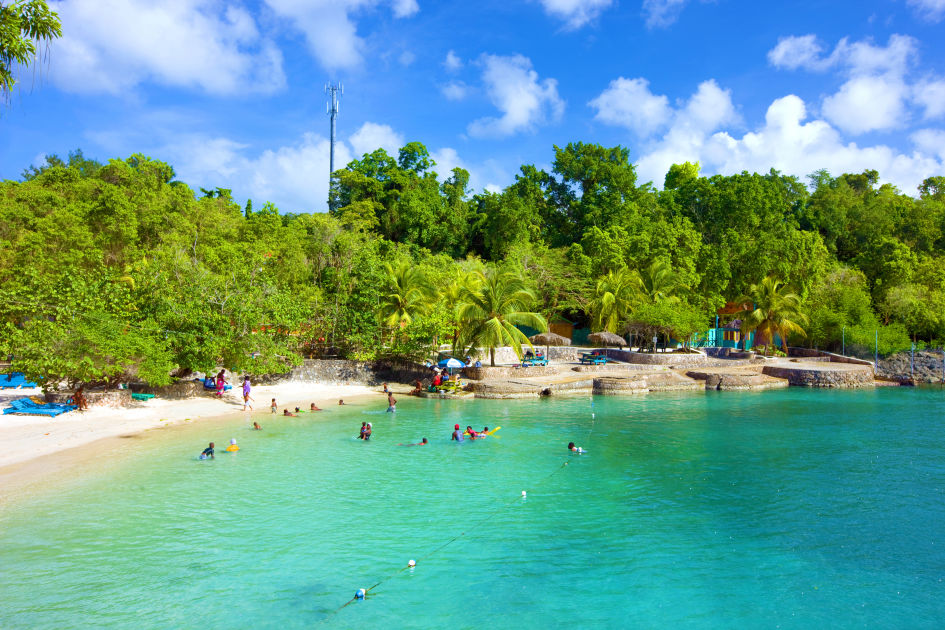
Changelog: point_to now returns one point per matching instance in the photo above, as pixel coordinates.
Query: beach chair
(27, 407)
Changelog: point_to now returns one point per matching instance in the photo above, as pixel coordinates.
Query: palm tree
(460, 283)
(614, 296)
(658, 282)
(408, 294)
(488, 314)
(771, 307)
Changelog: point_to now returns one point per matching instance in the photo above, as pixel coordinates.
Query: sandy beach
(37, 447)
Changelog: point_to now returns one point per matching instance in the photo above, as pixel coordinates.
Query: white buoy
(360, 594)
(412, 563)
(593, 415)
(523, 494)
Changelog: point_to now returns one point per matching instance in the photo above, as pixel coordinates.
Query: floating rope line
(362, 593)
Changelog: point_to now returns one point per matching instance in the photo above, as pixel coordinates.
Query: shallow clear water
(792, 508)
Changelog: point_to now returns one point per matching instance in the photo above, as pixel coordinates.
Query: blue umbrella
(451, 363)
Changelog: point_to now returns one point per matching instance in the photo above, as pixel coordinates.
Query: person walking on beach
(391, 402)
(246, 397)
(275, 407)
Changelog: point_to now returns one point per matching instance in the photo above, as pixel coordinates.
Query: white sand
(26, 438)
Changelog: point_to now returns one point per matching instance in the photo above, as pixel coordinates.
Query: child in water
(575, 449)
(208, 452)
(285, 412)
(314, 408)
(256, 427)
(232, 448)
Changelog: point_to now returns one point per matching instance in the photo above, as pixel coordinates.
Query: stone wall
(814, 376)
(345, 372)
(659, 358)
(928, 367)
(832, 357)
(113, 398)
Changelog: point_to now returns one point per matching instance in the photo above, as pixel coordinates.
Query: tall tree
(489, 314)
(25, 26)
(772, 308)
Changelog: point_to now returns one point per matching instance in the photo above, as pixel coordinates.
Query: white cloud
(797, 52)
(787, 141)
(629, 103)
(372, 136)
(294, 178)
(487, 175)
(867, 104)
(662, 12)
(930, 141)
(452, 62)
(112, 46)
(575, 13)
(329, 29)
(454, 90)
(513, 87)
(932, 10)
(874, 96)
(406, 58)
(930, 95)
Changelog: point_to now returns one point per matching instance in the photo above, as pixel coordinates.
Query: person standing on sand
(246, 397)
(79, 398)
(274, 407)
(221, 382)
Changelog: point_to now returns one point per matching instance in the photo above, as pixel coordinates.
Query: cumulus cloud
(454, 90)
(930, 141)
(330, 30)
(932, 10)
(930, 95)
(112, 46)
(629, 103)
(788, 141)
(867, 104)
(516, 91)
(452, 62)
(875, 93)
(575, 13)
(372, 136)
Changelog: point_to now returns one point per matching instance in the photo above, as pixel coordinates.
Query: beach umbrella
(606, 339)
(548, 339)
(451, 363)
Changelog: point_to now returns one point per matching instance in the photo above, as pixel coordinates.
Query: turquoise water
(792, 509)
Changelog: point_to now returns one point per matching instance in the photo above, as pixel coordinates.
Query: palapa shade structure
(606, 339)
(548, 339)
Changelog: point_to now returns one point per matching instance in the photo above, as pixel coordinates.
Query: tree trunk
(492, 357)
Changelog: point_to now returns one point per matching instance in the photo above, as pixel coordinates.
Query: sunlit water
(795, 508)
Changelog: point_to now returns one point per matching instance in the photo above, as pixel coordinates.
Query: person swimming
(368, 430)
(256, 427)
(363, 430)
(575, 449)
(232, 448)
(286, 412)
(208, 452)
(422, 442)
(457, 434)
(472, 434)
(314, 408)
(341, 401)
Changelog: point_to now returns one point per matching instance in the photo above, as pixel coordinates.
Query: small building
(559, 325)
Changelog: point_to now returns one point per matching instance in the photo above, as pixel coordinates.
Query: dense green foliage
(116, 270)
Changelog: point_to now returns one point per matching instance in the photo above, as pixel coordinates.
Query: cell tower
(333, 90)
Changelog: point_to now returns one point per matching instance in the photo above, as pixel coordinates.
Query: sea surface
(783, 509)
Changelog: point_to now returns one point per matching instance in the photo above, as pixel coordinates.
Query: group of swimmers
(459, 436)
(285, 412)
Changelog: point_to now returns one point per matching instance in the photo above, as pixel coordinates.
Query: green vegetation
(25, 26)
(117, 271)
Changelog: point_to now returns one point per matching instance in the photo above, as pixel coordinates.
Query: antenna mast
(333, 90)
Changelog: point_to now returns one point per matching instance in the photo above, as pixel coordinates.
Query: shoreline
(37, 450)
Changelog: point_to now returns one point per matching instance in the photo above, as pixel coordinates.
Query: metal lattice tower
(333, 90)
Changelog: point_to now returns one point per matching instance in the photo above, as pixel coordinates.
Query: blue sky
(231, 93)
